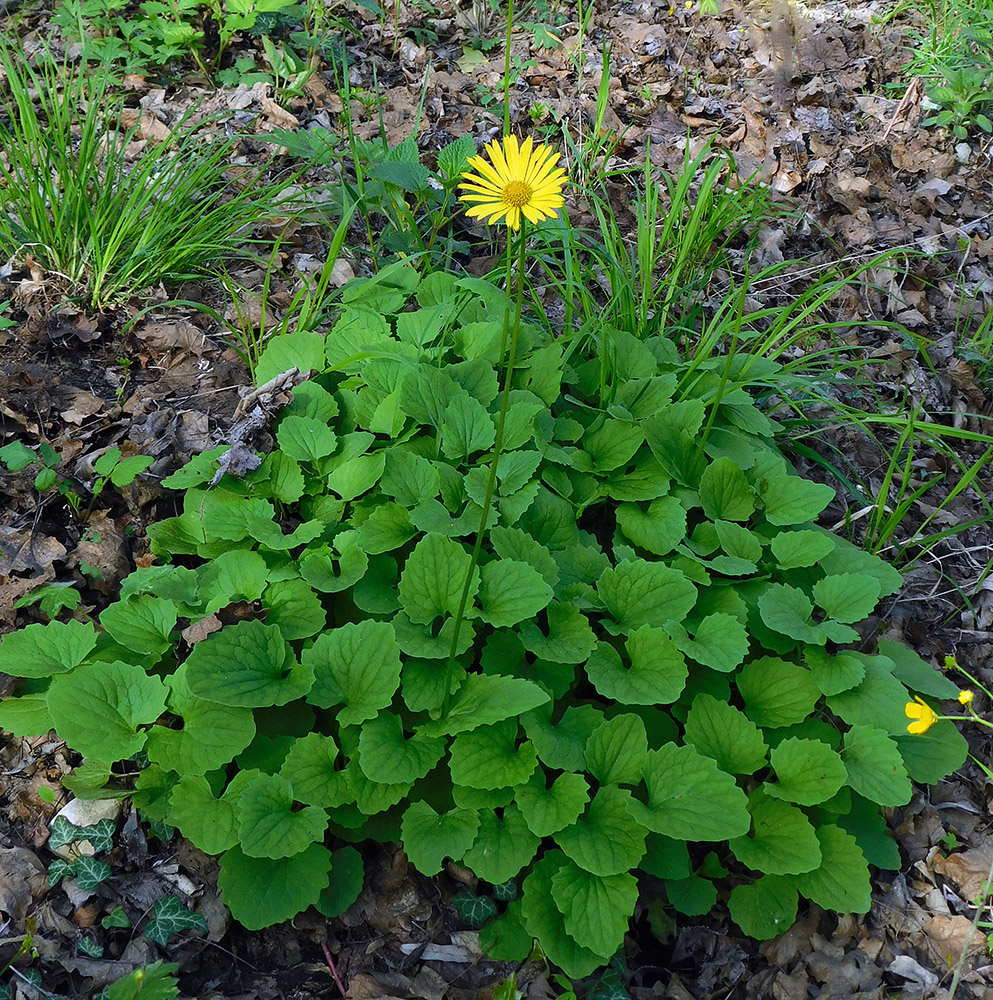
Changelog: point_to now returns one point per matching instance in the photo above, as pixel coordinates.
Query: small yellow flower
(965, 697)
(518, 180)
(924, 715)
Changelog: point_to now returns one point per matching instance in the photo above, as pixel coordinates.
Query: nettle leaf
(503, 846)
(726, 734)
(484, 699)
(333, 570)
(305, 438)
(640, 593)
(795, 549)
(725, 493)
(782, 840)
(356, 665)
(171, 917)
(267, 825)
(489, 757)
(776, 692)
(689, 797)
(606, 839)
(385, 755)
(847, 597)
(787, 610)
(429, 838)
(766, 908)
(309, 767)
(833, 674)
(546, 810)
(247, 665)
(99, 707)
(596, 909)
(569, 637)
(617, 750)
(510, 592)
(659, 529)
(433, 578)
(720, 641)
(43, 650)
(841, 883)
(656, 675)
(544, 921)
(141, 623)
(260, 892)
(875, 767)
(206, 821)
(792, 500)
(809, 772)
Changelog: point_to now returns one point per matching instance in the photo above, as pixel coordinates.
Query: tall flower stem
(506, 69)
(511, 331)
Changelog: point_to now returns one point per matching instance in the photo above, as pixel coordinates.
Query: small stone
(963, 151)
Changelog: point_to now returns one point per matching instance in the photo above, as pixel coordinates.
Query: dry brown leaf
(947, 937)
(967, 871)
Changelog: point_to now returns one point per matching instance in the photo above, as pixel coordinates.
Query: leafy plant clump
(636, 689)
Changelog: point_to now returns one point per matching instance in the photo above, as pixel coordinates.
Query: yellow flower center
(517, 193)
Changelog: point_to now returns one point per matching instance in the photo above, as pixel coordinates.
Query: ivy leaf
(503, 846)
(766, 908)
(484, 699)
(171, 917)
(841, 883)
(640, 593)
(689, 797)
(260, 892)
(99, 707)
(267, 825)
(847, 597)
(875, 767)
(659, 529)
(782, 841)
(385, 755)
(596, 909)
(429, 838)
(809, 772)
(510, 592)
(433, 578)
(656, 676)
(725, 493)
(606, 839)
(617, 750)
(547, 810)
(489, 757)
(723, 732)
(43, 650)
(247, 665)
(356, 665)
(89, 873)
(777, 693)
(474, 911)
(99, 834)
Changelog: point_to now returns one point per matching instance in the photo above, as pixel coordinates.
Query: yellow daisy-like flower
(518, 180)
(966, 696)
(924, 715)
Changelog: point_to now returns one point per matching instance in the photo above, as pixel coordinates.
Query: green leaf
(98, 708)
(510, 592)
(387, 528)
(795, 549)
(776, 692)
(642, 593)
(356, 665)
(232, 576)
(916, 673)
(841, 883)
(116, 918)
(333, 570)
(309, 767)
(466, 427)
(689, 797)
(154, 982)
(833, 674)
(606, 839)
(356, 475)
(545, 922)
(781, 842)
(547, 810)
(877, 701)
(385, 755)
(489, 757)
(659, 529)
(505, 938)
(294, 609)
(766, 908)
(719, 642)
(617, 750)
(792, 500)
(596, 910)
(726, 734)
(656, 676)
(933, 755)
(433, 577)
(725, 493)
(787, 610)
(452, 158)
(43, 650)
(267, 825)
(99, 834)
(347, 878)
(809, 772)
(503, 846)
(569, 637)
(848, 558)
(26, 715)
(247, 665)
(612, 443)
(142, 624)
(428, 838)
(206, 821)
(847, 597)
(305, 439)
(89, 873)
(484, 699)
(262, 891)
(171, 917)
(875, 767)
(563, 746)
